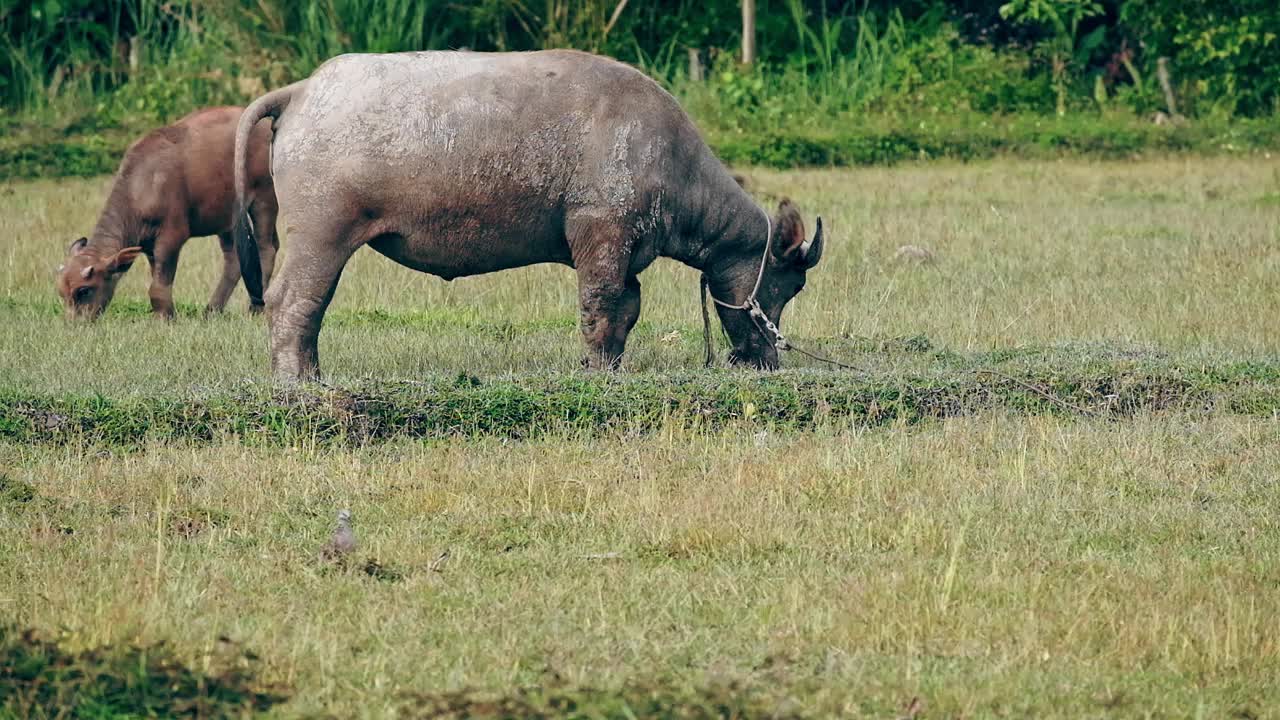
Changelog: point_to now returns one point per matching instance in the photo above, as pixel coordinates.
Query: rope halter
(752, 304)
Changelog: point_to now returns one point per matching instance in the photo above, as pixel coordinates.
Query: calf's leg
(164, 267)
(230, 275)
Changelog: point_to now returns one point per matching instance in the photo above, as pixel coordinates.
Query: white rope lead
(764, 260)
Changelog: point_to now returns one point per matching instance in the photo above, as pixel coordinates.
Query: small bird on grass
(437, 565)
(343, 541)
(914, 253)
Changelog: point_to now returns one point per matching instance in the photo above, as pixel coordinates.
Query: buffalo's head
(790, 257)
(87, 279)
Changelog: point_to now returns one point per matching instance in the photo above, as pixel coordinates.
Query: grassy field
(1091, 532)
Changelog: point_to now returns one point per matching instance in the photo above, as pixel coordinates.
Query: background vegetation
(836, 81)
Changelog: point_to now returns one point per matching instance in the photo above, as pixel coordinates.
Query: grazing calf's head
(87, 279)
(790, 258)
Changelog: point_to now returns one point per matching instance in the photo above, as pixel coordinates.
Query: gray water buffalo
(461, 163)
(173, 184)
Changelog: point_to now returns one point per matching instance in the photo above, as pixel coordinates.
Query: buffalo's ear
(811, 252)
(78, 246)
(123, 259)
(788, 232)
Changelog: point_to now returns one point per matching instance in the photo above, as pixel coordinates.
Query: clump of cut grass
(191, 522)
(467, 406)
(666, 698)
(40, 678)
(15, 493)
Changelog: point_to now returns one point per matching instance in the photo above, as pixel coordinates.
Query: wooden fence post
(695, 65)
(1162, 72)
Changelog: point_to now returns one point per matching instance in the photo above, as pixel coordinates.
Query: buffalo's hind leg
(608, 295)
(301, 292)
(264, 213)
(230, 275)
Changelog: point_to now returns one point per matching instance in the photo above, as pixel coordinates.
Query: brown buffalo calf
(174, 183)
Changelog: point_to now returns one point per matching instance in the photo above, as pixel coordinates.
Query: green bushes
(976, 138)
(971, 137)
(33, 156)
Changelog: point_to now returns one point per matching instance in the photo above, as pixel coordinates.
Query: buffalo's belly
(460, 240)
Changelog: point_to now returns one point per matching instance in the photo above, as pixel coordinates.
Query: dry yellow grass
(990, 566)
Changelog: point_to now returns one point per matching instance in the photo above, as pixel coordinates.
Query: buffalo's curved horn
(811, 251)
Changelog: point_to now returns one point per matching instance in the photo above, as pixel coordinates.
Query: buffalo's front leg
(608, 292)
(296, 302)
(609, 311)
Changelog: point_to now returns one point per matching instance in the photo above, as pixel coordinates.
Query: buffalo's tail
(270, 105)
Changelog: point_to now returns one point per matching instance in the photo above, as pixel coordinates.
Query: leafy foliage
(1066, 47)
(126, 61)
(1226, 56)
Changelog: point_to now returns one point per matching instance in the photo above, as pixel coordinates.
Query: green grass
(1174, 257)
(1090, 531)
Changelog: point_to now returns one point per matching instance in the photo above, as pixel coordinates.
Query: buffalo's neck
(722, 233)
(117, 226)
